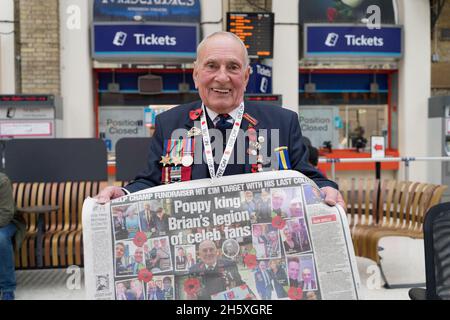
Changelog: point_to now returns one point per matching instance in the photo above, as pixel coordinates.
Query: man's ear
(195, 74)
(247, 76)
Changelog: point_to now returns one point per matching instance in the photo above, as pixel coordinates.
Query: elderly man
(221, 73)
(307, 283)
(217, 274)
(295, 208)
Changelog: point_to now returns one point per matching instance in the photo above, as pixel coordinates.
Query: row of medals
(255, 145)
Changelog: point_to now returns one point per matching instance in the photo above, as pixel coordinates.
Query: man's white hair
(226, 34)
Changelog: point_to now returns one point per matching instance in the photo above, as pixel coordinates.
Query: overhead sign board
(147, 10)
(260, 79)
(352, 41)
(118, 41)
(255, 30)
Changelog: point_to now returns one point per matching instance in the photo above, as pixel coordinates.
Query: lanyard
(230, 144)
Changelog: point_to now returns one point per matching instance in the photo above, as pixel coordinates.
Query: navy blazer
(268, 117)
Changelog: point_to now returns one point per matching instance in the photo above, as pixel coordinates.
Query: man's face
(295, 209)
(262, 266)
(306, 275)
(293, 269)
(277, 201)
(136, 286)
(249, 196)
(273, 236)
(167, 284)
(287, 234)
(220, 74)
(138, 254)
(208, 252)
(180, 252)
(120, 250)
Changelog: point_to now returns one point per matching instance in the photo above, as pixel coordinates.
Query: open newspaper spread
(256, 236)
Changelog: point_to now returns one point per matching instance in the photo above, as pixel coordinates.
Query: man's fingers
(108, 194)
(332, 196)
(330, 200)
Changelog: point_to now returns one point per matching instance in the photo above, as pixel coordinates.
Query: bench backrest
(389, 202)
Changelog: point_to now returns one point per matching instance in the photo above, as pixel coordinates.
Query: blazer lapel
(244, 128)
(199, 171)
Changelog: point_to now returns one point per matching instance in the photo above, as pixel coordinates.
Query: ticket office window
(359, 123)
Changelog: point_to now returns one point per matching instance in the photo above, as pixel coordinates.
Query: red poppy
(295, 293)
(139, 239)
(278, 222)
(145, 275)
(192, 286)
(250, 261)
(331, 14)
(195, 114)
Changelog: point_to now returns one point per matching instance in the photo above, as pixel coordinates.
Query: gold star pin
(165, 160)
(176, 161)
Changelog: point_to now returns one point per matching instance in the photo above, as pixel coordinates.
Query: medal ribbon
(230, 144)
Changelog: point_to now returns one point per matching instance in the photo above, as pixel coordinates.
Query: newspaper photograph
(264, 236)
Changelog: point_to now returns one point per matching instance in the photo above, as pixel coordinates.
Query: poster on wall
(165, 10)
(345, 11)
(319, 124)
(116, 123)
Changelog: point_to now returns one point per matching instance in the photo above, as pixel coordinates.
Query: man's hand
(333, 197)
(108, 194)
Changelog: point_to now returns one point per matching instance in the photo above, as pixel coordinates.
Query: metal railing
(406, 160)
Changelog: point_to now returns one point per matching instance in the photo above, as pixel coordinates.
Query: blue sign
(128, 41)
(352, 41)
(147, 10)
(260, 79)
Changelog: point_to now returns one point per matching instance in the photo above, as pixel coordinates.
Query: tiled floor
(402, 263)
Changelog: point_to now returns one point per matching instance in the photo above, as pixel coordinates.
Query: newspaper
(257, 236)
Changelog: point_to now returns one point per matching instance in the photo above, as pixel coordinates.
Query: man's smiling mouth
(221, 91)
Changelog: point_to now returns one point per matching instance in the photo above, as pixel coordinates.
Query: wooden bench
(61, 230)
(378, 209)
(54, 173)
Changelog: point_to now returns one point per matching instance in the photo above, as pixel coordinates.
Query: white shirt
(213, 115)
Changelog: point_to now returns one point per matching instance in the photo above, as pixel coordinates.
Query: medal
(255, 145)
(187, 161)
(250, 119)
(194, 132)
(165, 160)
(260, 159)
(283, 158)
(175, 174)
(176, 160)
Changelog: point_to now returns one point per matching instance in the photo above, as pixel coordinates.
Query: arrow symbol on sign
(378, 147)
